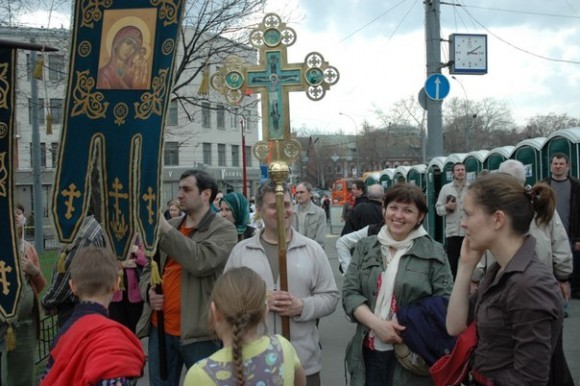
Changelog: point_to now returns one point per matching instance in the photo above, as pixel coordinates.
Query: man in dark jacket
(193, 250)
(568, 206)
(367, 212)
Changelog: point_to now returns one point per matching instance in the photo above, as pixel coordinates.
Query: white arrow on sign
(437, 83)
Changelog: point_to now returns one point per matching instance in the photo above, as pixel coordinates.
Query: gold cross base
(277, 150)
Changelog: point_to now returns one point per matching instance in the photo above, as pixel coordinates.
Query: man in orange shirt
(193, 250)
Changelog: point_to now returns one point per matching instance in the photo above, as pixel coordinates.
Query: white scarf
(391, 265)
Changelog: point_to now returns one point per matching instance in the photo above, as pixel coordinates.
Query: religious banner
(10, 279)
(119, 83)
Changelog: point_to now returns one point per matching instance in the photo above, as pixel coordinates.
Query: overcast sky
(379, 48)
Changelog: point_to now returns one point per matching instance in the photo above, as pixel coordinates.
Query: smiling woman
(406, 266)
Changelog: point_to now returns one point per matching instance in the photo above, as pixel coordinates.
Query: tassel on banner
(204, 85)
(48, 124)
(10, 338)
(155, 275)
(122, 286)
(39, 68)
(61, 262)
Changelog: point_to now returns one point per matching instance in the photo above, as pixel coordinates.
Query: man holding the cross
(312, 292)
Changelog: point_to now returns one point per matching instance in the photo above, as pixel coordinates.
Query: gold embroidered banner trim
(86, 102)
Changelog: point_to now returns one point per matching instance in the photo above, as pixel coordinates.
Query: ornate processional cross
(274, 78)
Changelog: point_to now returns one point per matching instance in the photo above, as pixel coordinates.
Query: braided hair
(240, 297)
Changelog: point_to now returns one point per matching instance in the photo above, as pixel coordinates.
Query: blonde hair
(94, 271)
(240, 297)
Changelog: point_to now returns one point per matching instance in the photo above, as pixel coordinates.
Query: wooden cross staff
(274, 78)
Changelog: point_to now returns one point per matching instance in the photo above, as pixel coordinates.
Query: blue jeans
(177, 356)
(379, 367)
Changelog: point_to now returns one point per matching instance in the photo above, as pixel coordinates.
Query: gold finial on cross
(4, 278)
(70, 195)
(149, 197)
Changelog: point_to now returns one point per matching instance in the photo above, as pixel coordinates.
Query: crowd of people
(211, 301)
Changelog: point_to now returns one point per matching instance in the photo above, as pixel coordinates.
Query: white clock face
(470, 53)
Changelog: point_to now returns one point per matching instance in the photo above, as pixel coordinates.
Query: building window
(207, 153)
(171, 154)
(172, 119)
(205, 115)
(235, 155)
(42, 155)
(29, 66)
(46, 198)
(56, 110)
(248, 117)
(221, 154)
(235, 118)
(221, 117)
(55, 68)
(54, 153)
(248, 156)
(39, 108)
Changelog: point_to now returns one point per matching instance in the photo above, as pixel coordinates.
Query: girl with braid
(238, 307)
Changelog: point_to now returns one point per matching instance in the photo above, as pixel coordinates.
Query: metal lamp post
(244, 169)
(356, 136)
(468, 126)
(334, 159)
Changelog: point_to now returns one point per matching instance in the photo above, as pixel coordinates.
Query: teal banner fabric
(10, 278)
(119, 84)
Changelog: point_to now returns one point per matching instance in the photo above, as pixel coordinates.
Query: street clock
(468, 54)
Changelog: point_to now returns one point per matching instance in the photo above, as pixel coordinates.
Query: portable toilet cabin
(496, 156)
(386, 178)
(400, 174)
(416, 175)
(434, 173)
(565, 141)
(474, 163)
(372, 178)
(529, 152)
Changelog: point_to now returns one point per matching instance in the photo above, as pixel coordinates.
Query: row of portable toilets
(534, 153)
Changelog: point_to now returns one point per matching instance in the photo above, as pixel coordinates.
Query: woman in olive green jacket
(397, 267)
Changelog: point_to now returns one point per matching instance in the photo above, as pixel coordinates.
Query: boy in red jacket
(91, 349)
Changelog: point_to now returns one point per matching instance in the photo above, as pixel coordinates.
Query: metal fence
(48, 329)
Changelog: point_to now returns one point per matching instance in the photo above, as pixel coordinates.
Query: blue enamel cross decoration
(274, 78)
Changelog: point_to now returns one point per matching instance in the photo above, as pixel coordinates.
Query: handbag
(410, 360)
(452, 368)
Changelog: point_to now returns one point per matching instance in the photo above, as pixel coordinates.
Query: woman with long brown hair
(518, 307)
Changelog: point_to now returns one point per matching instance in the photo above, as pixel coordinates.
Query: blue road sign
(437, 87)
(263, 173)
